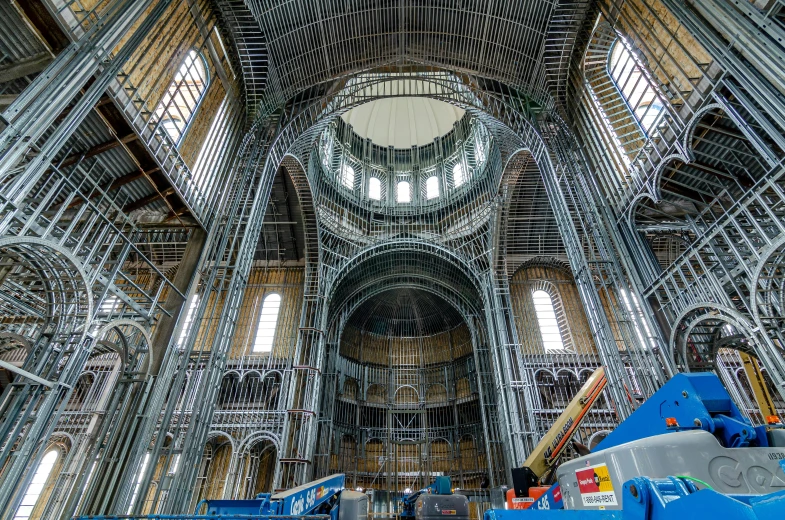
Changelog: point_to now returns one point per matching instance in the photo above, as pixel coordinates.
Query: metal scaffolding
(135, 261)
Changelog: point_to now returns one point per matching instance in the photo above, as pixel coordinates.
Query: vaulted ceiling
(286, 46)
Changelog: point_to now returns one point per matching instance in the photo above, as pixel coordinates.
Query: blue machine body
(441, 486)
(664, 499)
(317, 497)
(694, 401)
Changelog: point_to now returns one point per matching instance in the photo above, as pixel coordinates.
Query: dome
(403, 122)
(405, 313)
(405, 327)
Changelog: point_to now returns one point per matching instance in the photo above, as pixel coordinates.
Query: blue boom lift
(687, 452)
(319, 498)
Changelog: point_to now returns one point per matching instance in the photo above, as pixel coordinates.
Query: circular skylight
(403, 122)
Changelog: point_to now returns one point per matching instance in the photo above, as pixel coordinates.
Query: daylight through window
(347, 176)
(36, 486)
(546, 317)
(374, 189)
(457, 175)
(268, 319)
(404, 192)
(432, 187)
(633, 84)
(181, 100)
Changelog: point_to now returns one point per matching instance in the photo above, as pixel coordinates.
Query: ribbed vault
(527, 44)
(405, 312)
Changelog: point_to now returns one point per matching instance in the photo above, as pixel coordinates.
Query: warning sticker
(595, 486)
(522, 502)
(557, 494)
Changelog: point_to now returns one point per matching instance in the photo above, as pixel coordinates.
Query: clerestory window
(634, 86)
(36, 486)
(178, 105)
(457, 175)
(432, 187)
(374, 189)
(347, 176)
(546, 318)
(404, 192)
(268, 320)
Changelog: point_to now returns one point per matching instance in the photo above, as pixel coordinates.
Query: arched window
(432, 187)
(179, 103)
(640, 94)
(268, 319)
(374, 189)
(189, 318)
(457, 175)
(347, 176)
(479, 148)
(36, 486)
(404, 192)
(327, 148)
(138, 483)
(546, 317)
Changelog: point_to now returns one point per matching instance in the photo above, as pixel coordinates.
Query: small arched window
(546, 318)
(457, 175)
(432, 187)
(327, 148)
(374, 189)
(635, 87)
(36, 486)
(404, 192)
(268, 320)
(479, 148)
(179, 103)
(347, 176)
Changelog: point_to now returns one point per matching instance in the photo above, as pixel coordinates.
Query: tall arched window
(546, 317)
(268, 319)
(457, 175)
(432, 187)
(347, 176)
(36, 486)
(374, 189)
(640, 94)
(179, 103)
(138, 483)
(404, 192)
(189, 318)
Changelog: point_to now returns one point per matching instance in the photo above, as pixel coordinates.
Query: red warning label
(595, 486)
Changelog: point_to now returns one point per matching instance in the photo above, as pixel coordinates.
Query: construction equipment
(549, 450)
(318, 499)
(435, 501)
(686, 450)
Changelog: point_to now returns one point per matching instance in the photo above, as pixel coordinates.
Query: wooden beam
(46, 27)
(7, 99)
(25, 67)
(119, 182)
(95, 150)
(144, 201)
